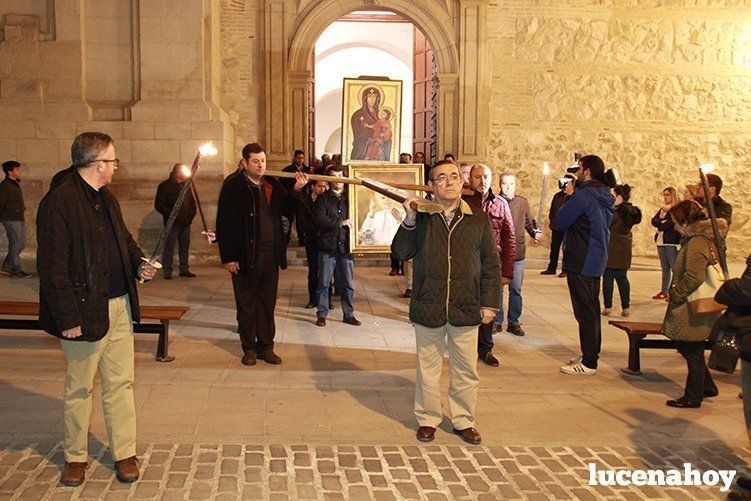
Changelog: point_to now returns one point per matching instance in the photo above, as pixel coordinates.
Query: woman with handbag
(683, 324)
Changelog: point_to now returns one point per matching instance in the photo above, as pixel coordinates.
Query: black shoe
(311, 304)
(489, 359)
(711, 393)
(683, 403)
(469, 435)
(562, 274)
(516, 330)
(168, 276)
(739, 496)
(20, 274)
(187, 274)
(407, 293)
(352, 321)
(547, 272)
(394, 272)
(321, 322)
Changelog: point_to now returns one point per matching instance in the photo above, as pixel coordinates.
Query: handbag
(725, 351)
(701, 301)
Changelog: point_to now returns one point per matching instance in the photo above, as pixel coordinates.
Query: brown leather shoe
(352, 321)
(489, 359)
(127, 470)
(321, 322)
(249, 358)
(425, 433)
(469, 435)
(270, 357)
(73, 474)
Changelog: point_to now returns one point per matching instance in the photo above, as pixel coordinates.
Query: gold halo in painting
(371, 86)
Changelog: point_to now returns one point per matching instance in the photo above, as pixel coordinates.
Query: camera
(562, 182)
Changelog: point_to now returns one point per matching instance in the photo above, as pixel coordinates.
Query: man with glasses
(456, 287)
(88, 264)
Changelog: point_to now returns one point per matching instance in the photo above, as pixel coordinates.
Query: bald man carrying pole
(456, 288)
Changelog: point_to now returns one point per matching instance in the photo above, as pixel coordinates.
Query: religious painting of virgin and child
(371, 120)
(376, 217)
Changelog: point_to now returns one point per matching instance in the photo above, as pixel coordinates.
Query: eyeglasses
(115, 161)
(443, 178)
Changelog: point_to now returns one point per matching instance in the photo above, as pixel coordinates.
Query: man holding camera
(585, 218)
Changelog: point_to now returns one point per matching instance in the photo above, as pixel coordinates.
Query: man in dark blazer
(88, 264)
(253, 247)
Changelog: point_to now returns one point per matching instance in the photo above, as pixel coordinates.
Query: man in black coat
(335, 259)
(306, 219)
(253, 247)
(297, 165)
(12, 218)
(556, 239)
(166, 196)
(88, 264)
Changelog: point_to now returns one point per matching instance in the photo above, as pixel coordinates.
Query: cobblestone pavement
(433, 472)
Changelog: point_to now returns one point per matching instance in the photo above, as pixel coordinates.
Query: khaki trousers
(464, 381)
(113, 355)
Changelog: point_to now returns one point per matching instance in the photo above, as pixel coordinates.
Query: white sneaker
(626, 312)
(575, 360)
(606, 311)
(578, 369)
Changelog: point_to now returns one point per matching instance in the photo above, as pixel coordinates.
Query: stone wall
(654, 87)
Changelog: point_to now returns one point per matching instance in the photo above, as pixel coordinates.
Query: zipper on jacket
(448, 253)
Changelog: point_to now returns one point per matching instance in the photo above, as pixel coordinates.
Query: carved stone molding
(43, 19)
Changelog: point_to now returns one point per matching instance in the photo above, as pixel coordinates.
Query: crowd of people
(456, 262)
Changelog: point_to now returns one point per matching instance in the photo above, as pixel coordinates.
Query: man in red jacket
(497, 209)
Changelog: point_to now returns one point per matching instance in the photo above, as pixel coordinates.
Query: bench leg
(634, 360)
(162, 349)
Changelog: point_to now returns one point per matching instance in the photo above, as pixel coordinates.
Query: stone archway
(454, 28)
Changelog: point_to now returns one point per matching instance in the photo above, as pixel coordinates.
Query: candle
(545, 174)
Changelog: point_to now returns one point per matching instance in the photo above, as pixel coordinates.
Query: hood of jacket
(704, 227)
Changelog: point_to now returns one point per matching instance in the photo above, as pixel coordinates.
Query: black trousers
(396, 264)
(181, 235)
(585, 299)
(485, 338)
(255, 298)
(556, 241)
(699, 379)
(311, 254)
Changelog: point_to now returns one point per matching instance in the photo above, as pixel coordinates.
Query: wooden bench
(161, 313)
(637, 338)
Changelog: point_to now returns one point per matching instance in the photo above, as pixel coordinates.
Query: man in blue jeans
(331, 215)
(12, 217)
(522, 219)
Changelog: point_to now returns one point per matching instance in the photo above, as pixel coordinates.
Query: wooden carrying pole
(421, 205)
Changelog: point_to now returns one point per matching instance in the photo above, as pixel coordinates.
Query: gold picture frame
(371, 120)
(374, 216)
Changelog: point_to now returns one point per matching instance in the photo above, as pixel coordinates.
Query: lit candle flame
(706, 168)
(185, 170)
(546, 168)
(207, 149)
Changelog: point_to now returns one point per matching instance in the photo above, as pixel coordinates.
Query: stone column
(274, 52)
(448, 113)
(473, 96)
(298, 109)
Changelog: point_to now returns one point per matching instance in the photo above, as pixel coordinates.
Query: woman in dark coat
(666, 239)
(687, 329)
(626, 215)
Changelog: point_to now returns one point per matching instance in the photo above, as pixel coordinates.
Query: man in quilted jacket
(456, 287)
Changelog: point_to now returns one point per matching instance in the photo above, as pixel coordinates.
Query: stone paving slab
(434, 472)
